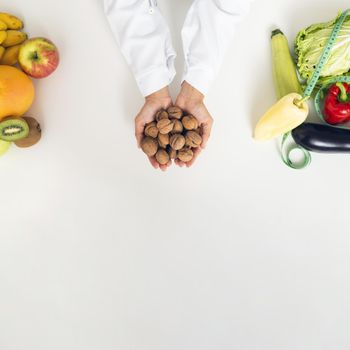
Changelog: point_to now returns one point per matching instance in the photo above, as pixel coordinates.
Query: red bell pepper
(337, 104)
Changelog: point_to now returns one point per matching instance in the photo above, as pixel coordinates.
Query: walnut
(178, 127)
(175, 112)
(190, 122)
(162, 157)
(171, 136)
(149, 146)
(172, 153)
(177, 142)
(185, 155)
(165, 126)
(151, 130)
(193, 139)
(162, 114)
(163, 140)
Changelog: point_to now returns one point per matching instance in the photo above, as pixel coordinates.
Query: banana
(3, 25)
(10, 57)
(3, 36)
(14, 37)
(11, 21)
(2, 51)
(284, 72)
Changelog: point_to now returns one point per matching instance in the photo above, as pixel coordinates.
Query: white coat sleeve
(145, 41)
(207, 33)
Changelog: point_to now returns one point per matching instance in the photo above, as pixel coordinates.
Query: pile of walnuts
(172, 135)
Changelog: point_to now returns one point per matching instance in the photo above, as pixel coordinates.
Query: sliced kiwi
(13, 129)
(34, 133)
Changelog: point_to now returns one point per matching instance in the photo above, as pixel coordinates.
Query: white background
(100, 251)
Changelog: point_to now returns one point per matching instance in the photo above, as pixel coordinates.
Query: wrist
(162, 94)
(190, 93)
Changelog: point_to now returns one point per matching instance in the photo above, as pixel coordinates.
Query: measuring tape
(286, 149)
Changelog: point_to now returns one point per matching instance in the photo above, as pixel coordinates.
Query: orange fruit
(16, 92)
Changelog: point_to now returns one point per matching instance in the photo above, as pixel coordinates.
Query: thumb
(206, 130)
(166, 105)
(139, 127)
(180, 102)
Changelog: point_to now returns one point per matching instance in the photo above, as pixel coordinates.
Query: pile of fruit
(172, 135)
(36, 58)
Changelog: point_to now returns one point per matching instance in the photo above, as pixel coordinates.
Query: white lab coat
(145, 40)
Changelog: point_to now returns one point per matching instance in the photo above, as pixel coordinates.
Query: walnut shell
(177, 142)
(175, 112)
(149, 146)
(172, 153)
(178, 127)
(162, 157)
(193, 139)
(162, 114)
(165, 126)
(185, 155)
(163, 140)
(151, 130)
(190, 122)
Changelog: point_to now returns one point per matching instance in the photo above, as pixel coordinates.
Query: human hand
(153, 103)
(192, 101)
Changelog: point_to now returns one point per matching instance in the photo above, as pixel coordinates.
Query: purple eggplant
(322, 138)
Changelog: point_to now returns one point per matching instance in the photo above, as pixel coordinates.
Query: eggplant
(322, 138)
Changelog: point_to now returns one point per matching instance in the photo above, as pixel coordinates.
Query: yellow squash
(288, 112)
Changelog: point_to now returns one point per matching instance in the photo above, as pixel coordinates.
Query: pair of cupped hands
(189, 100)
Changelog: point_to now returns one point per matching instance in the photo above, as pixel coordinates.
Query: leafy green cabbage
(309, 45)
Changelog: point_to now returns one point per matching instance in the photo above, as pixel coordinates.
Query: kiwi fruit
(34, 135)
(13, 129)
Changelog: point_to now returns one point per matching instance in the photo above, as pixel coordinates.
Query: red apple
(38, 57)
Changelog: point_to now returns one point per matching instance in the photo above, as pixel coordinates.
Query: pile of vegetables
(322, 62)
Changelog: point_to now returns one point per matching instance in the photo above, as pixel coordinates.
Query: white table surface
(99, 251)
